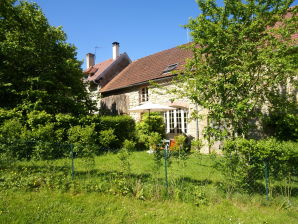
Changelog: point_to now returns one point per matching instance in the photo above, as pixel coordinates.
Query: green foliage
(123, 127)
(240, 62)
(154, 141)
(245, 160)
(151, 129)
(83, 140)
(282, 126)
(108, 140)
(181, 143)
(8, 114)
(13, 136)
(196, 145)
(36, 118)
(41, 135)
(38, 68)
(124, 154)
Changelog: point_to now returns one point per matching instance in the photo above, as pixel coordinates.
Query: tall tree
(38, 68)
(245, 54)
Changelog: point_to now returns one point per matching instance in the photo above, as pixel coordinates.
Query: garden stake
(166, 170)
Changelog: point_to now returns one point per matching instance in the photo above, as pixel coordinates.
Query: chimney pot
(115, 50)
(90, 60)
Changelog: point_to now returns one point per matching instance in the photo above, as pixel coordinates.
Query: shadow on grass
(194, 181)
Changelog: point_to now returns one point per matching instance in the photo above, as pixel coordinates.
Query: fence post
(166, 165)
(72, 161)
(266, 173)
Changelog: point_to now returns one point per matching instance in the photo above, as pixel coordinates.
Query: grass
(103, 192)
(53, 207)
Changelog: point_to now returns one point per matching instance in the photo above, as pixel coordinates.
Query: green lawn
(105, 192)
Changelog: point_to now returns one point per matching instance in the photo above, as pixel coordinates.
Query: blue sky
(142, 27)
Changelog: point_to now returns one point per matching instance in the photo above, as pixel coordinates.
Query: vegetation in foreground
(117, 190)
(53, 207)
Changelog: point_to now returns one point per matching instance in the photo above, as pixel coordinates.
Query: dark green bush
(282, 126)
(41, 135)
(123, 128)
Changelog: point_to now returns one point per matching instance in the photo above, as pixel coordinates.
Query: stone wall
(160, 96)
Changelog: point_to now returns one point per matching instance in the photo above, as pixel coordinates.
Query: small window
(144, 96)
(170, 68)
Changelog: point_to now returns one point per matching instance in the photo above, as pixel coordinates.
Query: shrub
(83, 140)
(9, 114)
(13, 137)
(36, 118)
(148, 126)
(244, 161)
(124, 154)
(108, 140)
(282, 126)
(180, 143)
(123, 126)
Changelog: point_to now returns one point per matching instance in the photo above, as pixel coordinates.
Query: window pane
(144, 96)
(185, 120)
(172, 122)
(178, 117)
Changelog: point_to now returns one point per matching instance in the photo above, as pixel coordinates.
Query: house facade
(98, 75)
(131, 87)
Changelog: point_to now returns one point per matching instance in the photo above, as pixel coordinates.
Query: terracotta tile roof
(149, 68)
(95, 71)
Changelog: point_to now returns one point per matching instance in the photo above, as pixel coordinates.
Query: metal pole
(166, 167)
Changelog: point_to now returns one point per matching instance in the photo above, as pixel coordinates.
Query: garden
(99, 169)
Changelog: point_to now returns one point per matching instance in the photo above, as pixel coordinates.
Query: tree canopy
(38, 68)
(245, 62)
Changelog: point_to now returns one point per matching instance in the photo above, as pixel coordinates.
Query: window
(176, 121)
(143, 95)
(172, 121)
(170, 68)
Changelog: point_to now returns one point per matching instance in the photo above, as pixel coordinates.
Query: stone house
(98, 75)
(123, 84)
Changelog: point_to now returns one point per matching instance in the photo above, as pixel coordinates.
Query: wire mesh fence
(188, 177)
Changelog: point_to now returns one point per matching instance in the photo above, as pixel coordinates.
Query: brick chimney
(115, 50)
(90, 60)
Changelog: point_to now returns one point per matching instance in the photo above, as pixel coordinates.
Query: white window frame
(143, 95)
(173, 129)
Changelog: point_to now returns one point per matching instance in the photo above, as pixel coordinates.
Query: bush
(244, 161)
(108, 140)
(124, 154)
(13, 137)
(197, 145)
(123, 127)
(83, 140)
(36, 118)
(9, 114)
(41, 135)
(282, 126)
(148, 126)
